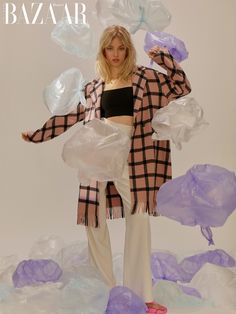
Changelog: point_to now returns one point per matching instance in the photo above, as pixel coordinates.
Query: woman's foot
(154, 307)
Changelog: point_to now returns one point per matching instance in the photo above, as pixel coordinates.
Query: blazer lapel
(95, 94)
(138, 82)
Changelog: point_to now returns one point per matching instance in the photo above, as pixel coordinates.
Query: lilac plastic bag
(65, 92)
(75, 38)
(165, 266)
(135, 14)
(175, 46)
(124, 300)
(205, 196)
(98, 150)
(30, 272)
(179, 121)
(192, 264)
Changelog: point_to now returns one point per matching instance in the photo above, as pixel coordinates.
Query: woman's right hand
(25, 136)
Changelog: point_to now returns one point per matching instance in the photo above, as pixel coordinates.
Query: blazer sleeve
(175, 83)
(57, 125)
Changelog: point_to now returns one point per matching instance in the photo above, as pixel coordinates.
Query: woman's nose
(115, 53)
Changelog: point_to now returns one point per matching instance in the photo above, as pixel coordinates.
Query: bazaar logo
(42, 13)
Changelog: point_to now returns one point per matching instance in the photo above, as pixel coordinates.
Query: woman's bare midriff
(128, 120)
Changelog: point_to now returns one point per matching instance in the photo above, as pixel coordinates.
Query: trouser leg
(137, 252)
(99, 246)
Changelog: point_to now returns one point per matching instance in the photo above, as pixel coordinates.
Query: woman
(127, 96)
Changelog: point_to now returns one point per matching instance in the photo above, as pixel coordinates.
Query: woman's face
(115, 53)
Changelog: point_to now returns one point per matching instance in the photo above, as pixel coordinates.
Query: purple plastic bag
(192, 264)
(165, 266)
(175, 46)
(30, 272)
(124, 300)
(190, 291)
(205, 196)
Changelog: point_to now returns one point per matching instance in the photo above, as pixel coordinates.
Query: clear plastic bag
(65, 92)
(75, 38)
(135, 14)
(98, 150)
(178, 121)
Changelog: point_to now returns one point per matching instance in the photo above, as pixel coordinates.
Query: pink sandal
(156, 311)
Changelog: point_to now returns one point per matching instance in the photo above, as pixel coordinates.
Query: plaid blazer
(149, 161)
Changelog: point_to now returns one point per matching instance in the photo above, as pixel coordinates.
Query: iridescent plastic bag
(172, 295)
(98, 150)
(104, 14)
(178, 121)
(84, 293)
(65, 92)
(136, 14)
(76, 38)
(216, 284)
(175, 46)
(205, 196)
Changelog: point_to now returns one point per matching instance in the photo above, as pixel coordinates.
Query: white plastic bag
(178, 121)
(98, 150)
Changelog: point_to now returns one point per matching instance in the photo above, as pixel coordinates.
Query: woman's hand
(25, 136)
(153, 52)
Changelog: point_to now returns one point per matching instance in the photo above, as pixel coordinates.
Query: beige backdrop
(39, 192)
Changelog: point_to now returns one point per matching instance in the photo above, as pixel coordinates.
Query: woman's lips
(115, 60)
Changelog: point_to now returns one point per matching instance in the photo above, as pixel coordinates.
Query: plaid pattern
(149, 161)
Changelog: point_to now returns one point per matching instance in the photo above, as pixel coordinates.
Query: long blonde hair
(129, 64)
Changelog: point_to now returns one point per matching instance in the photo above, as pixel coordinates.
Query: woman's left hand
(153, 52)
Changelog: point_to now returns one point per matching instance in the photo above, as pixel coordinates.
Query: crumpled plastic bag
(171, 295)
(175, 46)
(30, 272)
(165, 266)
(65, 92)
(104, 14)
(205, 196)
(124, 300)
(98, 150)
(73, 256)
(178, 121)
(135, 14)
(192, 264)
(46, 247)
(77, 39)
(84, 293)
(216, 284)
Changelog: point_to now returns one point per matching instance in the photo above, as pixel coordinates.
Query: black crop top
(117, 102)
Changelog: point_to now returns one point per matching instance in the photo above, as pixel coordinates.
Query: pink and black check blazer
(149, 161)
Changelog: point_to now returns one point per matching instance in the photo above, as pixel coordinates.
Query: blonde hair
(129, 64)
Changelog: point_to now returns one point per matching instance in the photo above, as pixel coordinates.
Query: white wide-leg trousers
(137, 251)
